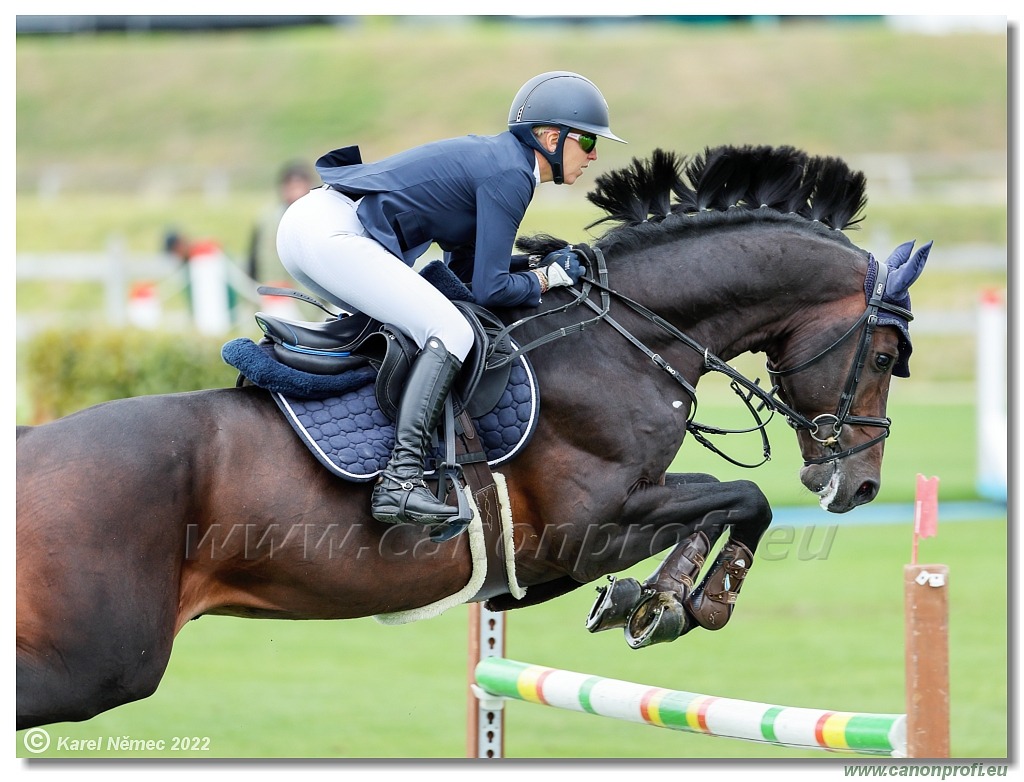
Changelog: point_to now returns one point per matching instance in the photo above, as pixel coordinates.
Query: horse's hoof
(658, 618)
(614, 604)
(712, 602)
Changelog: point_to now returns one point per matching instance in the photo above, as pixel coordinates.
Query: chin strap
(525, 134)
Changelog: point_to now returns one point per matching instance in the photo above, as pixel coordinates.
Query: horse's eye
(883, 361)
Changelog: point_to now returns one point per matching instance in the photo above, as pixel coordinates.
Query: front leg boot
(712, 602)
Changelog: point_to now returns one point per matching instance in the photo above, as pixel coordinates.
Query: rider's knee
(456, 334)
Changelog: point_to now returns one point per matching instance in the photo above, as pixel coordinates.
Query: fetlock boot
(681, 567)
(401, 494)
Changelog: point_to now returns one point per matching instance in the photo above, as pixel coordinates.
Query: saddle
(355, 341)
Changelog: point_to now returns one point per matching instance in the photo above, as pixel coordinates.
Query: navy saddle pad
(353, 439)
(350, 435)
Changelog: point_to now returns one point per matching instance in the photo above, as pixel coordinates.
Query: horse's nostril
(867, 491)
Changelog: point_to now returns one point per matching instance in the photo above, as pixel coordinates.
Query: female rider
(355, 240)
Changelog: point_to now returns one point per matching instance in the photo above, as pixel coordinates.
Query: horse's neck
(743, 293)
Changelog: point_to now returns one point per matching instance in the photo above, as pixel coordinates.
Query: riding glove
(562, 267)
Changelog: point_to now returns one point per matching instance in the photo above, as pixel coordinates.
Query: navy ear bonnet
(904, 269)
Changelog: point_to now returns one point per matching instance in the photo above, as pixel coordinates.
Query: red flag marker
(926, 510)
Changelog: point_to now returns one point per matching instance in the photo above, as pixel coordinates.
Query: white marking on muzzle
(828, 494)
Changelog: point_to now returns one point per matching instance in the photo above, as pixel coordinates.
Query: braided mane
(654, 200)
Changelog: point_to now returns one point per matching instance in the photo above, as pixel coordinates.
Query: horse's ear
(904, 269)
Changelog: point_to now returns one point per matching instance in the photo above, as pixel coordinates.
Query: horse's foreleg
(540, 593)
(667, 604)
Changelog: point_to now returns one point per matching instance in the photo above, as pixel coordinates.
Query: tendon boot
(712, 602)
(401, 495)
(681, 567)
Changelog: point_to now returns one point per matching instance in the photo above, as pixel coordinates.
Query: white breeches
(325, 247)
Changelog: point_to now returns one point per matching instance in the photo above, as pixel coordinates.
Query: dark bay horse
(738, 250)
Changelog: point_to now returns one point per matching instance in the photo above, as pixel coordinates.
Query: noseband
(826, 429)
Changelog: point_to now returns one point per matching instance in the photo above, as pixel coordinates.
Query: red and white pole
(991, 383)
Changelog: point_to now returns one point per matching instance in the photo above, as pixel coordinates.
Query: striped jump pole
(871, 734)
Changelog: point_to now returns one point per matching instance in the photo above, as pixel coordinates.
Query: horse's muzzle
(839, 489)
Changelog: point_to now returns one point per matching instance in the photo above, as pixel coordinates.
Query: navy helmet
(560, 99)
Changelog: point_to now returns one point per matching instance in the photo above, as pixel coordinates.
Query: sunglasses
(587, 141)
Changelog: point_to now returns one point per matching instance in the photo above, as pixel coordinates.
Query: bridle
(825, 429)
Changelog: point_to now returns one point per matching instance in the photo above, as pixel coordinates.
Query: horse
(737, 249)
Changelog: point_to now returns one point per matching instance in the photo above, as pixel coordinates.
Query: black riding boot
(401, 494)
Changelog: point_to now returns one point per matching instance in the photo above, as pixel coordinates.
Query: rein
(824, 429)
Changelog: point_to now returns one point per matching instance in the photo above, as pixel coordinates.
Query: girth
(480, 481)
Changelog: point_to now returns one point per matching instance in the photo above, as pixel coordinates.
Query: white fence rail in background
(118, 271)
(972, 178)
(114, 270)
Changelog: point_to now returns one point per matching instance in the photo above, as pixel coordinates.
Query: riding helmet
(565, 100)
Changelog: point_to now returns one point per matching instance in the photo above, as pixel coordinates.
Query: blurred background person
(295, 179)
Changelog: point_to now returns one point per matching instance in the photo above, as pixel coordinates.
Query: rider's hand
(562, 267)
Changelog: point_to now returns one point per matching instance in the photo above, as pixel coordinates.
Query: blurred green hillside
(146, 120)
(112, 105)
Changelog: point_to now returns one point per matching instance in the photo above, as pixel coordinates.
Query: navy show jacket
(467, 194)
